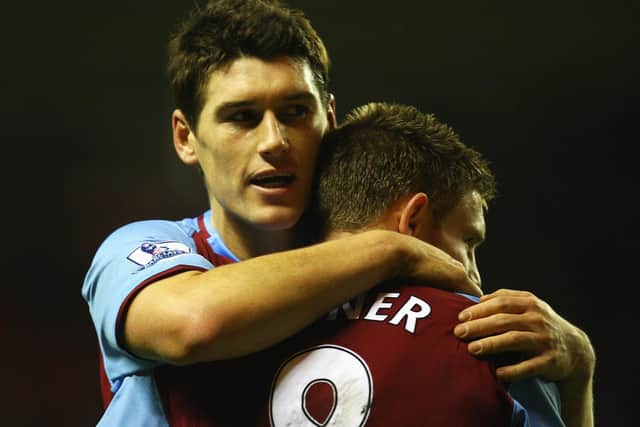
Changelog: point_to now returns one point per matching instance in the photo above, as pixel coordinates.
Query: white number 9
(321, 386)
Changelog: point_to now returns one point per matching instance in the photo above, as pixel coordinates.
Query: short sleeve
(132, 257)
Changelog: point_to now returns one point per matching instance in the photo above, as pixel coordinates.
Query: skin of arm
(511, 320)
(241, 308)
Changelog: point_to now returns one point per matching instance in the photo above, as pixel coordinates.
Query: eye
(294, 112)
(244, 117)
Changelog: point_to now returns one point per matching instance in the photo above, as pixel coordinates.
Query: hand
(518, 321)
(429, 264)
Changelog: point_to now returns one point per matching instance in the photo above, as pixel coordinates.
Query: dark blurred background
(548, 91)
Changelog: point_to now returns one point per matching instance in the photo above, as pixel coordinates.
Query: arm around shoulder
(237, 309)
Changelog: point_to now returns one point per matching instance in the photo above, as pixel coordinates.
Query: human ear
(331, 112)
(183, 138)
(414, 214)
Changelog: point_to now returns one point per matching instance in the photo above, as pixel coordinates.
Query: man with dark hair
(213, 37)
(250, 80)
(252, 106)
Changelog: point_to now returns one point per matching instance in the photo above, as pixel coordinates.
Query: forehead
(250, 79)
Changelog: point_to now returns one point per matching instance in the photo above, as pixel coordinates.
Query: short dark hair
(222, 31)
(384, 151)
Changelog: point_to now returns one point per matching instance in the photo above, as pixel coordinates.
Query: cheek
(455, 249)
(220, 167)
(226, 156)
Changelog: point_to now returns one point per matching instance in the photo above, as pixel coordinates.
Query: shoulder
(437, 296)
(154, 229)
(128, 252)
(135, 234)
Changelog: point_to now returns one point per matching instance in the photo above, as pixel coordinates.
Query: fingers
(469, 286)
(499, 324)
(525, 369)
(508, 342)
(507, 293)
(507, 321)
(539, 358)
(456, 279)
(439, 269)
(464, 283)
(501, 301)
(442, 271)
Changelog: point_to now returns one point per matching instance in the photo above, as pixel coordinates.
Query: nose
(272, 138)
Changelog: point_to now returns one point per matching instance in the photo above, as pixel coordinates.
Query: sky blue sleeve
(541, 400)
(129, 259)
(136, 404)
(520, 416)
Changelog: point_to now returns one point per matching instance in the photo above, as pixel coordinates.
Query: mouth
(273, 180)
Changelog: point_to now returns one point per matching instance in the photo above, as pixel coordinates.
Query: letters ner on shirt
(386, 307)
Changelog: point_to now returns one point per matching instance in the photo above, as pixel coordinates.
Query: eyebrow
(226, 107)
(300, 96)
(233, 105)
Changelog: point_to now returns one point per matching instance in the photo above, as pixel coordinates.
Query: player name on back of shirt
(392, 306)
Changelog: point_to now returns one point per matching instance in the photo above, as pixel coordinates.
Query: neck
(247, 240)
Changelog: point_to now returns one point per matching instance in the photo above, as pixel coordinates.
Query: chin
(282, 220)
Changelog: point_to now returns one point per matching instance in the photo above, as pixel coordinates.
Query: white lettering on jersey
(351, 309)
(411, 311)
(380, 304)
(407, 311)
